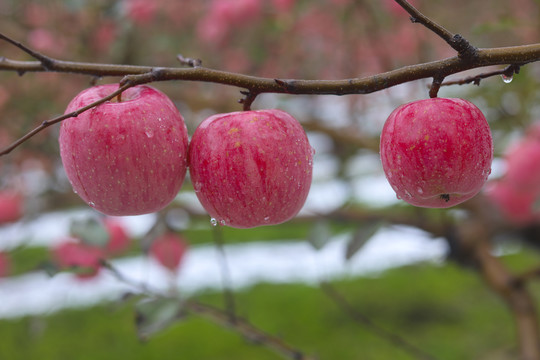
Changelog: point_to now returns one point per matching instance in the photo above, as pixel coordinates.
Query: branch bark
(361, 85)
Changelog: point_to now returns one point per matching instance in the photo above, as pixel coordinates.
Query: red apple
(11, 206)
(127, 157)
(169, 250)
(436, 153)
(74, 255)
(119, 240)
(517, 193)
(251, 168)
(518, 206)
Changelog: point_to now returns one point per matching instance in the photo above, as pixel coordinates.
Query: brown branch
(362, 319)
(485, 57)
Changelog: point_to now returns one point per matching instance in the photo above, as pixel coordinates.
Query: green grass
(444, 310)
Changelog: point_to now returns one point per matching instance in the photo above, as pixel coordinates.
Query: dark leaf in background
(319, 234)
(90, 231)
(364, 232)
(154, 315)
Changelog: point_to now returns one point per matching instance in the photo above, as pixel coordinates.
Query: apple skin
(128, 157)
(169, 250)
(251, 168)
(436, 153)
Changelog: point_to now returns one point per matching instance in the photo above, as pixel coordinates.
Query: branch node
(465, 50)
(194, 63)
(286, 85)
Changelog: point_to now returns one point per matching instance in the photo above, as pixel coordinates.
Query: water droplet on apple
(75, 191)
(267, 218)
(149, 133)
(420, 190)
(408, 194)
(398, 196)
(213, 221)
(92, 204)
(222, 222)
(197, 187)
(507, 79)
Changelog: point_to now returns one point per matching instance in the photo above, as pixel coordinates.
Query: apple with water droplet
(437, 152)
(126, 156)
(251, 168)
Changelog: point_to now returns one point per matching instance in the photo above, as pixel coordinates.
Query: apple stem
(249, 98)
(435, 86)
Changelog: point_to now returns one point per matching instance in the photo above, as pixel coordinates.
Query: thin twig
(362, 319)
(247, 330)
(45, 124)
(189, 61)
(225, 274)
(508, 71)
(457, 42)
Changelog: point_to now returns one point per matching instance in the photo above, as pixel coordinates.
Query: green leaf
(319, 234)
(360, 238)
(90, 230)
(156, 314)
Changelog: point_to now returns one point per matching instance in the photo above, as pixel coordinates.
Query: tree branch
(362, 85)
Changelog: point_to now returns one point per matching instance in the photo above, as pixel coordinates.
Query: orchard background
(478, 299)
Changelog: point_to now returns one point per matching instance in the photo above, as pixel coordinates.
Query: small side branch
(45, 124)
(45, 61)
(507, 72)
(464, 49)
(247, 330)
